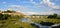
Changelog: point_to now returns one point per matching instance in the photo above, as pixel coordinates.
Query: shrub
(21, 27)
(4, 16)
(52, 16)
(47, 23)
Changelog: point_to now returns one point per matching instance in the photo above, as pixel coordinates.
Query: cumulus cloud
(33, 2)
(46, 2)
(33, 12)
(18, 7)
(29, 12)
(50, 4)
(41, 4)
(39, 13)
(47, 13)
(4, 2)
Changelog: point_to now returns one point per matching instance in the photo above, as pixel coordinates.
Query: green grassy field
(56, 21)
(15, 23)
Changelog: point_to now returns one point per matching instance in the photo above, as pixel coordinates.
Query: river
(30, 21)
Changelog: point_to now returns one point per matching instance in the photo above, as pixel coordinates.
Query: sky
(29, 7)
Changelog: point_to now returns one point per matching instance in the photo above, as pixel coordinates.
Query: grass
(56, 21)
(15, 23)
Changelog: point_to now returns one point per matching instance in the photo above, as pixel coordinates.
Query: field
(16, 23)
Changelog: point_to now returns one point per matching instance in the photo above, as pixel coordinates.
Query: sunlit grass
(16, 23)
(56, 21)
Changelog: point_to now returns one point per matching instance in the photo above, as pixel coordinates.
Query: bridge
(42, 16)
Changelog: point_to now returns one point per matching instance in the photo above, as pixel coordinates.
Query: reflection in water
(26, 20)
(30, 21)
(37, 24)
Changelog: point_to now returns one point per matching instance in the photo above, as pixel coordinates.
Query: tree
(1, 16)
(52, 16)
(46, 23)
(55, 15)
(9, 11)
(4, 16)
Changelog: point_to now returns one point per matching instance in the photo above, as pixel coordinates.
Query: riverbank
(17, 23)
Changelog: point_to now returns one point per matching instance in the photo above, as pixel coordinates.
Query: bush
(35, 25)
(47, 23)
(52, 16)
(21, 27)
(4, 16)
(58, 17)
(32, 24)
(9, 11)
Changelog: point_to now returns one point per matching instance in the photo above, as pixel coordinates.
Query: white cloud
(50, 4)
(4, 2)
(46, 13)
(30, 13)
(33, 12)
(33, 2)
(18, 7)
(39, 13)
(46, 2)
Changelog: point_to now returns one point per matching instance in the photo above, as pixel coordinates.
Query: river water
(30, 21)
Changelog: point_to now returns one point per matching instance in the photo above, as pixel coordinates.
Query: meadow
(16, 23)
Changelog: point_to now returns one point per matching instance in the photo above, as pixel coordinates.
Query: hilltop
(11, 12)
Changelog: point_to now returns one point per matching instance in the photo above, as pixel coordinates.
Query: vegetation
(52, 16)
(32, 24)
(55, 16)
(46, 23)
(4, 16)
(13, 21)
(9, 11)
(58, 17)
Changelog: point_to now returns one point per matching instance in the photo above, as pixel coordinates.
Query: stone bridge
(43, 16)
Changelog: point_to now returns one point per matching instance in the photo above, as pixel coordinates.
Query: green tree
(1, 16)
(4, 16)
(55, 15)
(9, 11)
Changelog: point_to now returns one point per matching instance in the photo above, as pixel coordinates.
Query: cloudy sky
(28, 7)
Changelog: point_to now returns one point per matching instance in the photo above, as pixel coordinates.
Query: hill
(11, 12)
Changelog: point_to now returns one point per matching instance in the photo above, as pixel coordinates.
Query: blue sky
(28, 7)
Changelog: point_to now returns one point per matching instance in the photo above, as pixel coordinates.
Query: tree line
(54, 16)
(4, 16)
